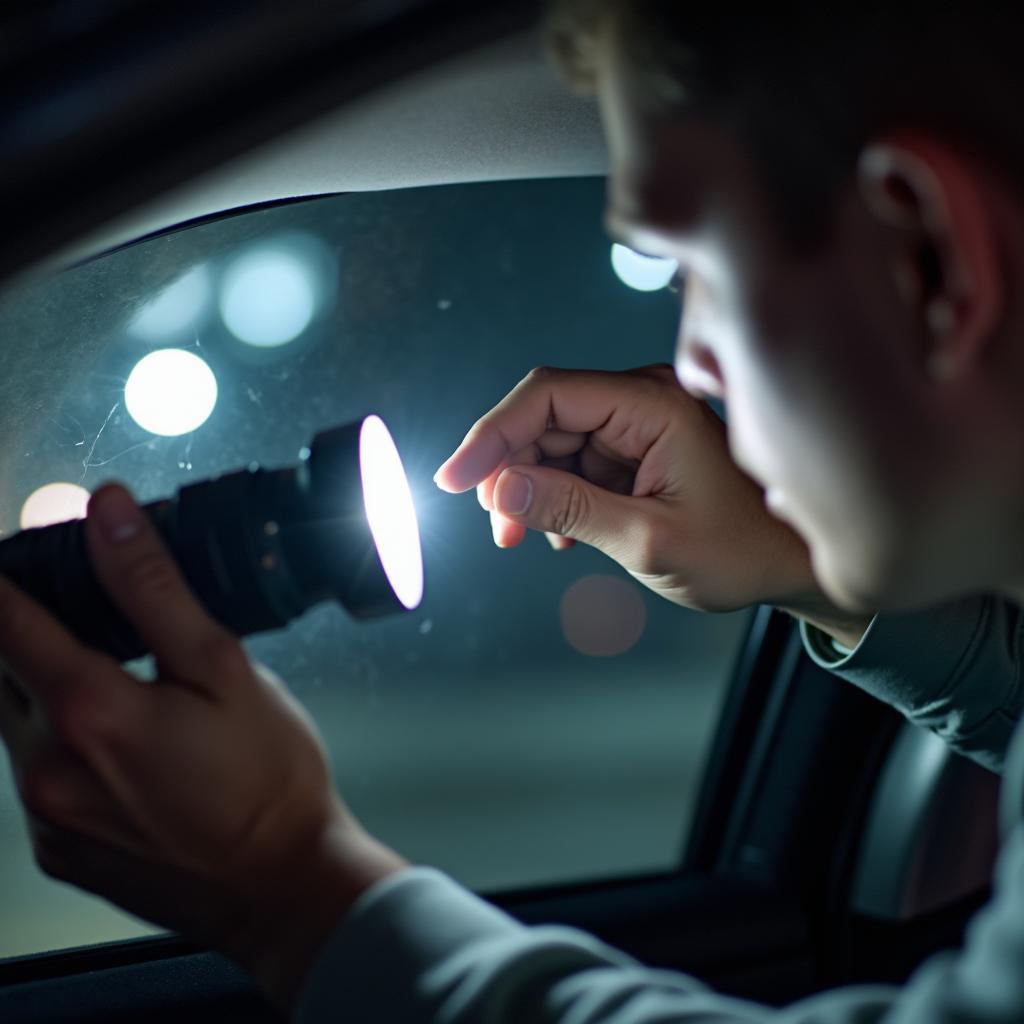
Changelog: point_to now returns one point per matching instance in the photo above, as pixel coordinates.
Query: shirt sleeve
(420, 949)
(955, 670)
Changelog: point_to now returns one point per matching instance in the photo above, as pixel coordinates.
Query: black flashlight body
(257, 547)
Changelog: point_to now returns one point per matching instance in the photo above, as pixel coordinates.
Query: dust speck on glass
(540, 718)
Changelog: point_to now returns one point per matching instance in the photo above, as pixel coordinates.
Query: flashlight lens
(390, 511)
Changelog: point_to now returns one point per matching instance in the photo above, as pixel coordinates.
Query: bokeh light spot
(170, 392)
(602, 615)
(644, 273)
(178, 308)
(54, 503)
(268, 296)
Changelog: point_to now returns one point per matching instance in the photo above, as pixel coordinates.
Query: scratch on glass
(87, 462)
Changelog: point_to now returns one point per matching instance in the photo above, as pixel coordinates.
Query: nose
(696, 365)
(697, 369)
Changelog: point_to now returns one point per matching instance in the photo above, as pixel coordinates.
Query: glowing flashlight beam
(390, 511)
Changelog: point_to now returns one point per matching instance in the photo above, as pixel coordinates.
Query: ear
(949, 267)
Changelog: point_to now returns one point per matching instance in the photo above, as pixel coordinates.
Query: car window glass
(540, 718)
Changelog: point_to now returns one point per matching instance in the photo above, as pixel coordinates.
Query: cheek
(783, 431)
(821, 409)
(750, 428)
(766, 421)
(780, 377)
(797, 442)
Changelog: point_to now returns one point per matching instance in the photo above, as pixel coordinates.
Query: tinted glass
(540, 718)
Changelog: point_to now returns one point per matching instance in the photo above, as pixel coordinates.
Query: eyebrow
(619, 227)
(626, 231)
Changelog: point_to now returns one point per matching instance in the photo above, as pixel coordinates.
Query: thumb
(137, 570)
(555, 501)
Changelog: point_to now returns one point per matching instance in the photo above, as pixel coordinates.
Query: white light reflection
(170, 392)
(390, 511)
(644, 273)
(268, 295)
(179, 307)
(54, 503)
(602, 615)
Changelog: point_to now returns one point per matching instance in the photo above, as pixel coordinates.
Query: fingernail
(513, 493)
(119, 517)
(440, 470)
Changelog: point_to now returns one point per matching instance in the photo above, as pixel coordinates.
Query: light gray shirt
(419, 948)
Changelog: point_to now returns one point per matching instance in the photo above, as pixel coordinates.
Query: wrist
(813, 607)
(843, 627)
(302, 907)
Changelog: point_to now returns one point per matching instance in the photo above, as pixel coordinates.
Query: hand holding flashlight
(161, 797)
(634, 466)
(257, 547)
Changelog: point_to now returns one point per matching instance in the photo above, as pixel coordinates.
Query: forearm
(847, 628)
(424, 951)
(421, 949)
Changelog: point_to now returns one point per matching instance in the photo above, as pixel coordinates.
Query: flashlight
(258, 547)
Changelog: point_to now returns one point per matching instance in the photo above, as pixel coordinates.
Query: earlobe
(940, 359)
(939, 201)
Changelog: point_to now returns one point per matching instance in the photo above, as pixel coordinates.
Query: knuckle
(570, 511)
(541, 375)
(42, 792)
(79, 721)
(652, 545)
(152, 575)
(648, 550)
(651, 381)
(660, 372)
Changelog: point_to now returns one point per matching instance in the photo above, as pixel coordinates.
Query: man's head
(842, 194)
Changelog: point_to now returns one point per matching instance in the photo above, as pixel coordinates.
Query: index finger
(577, 401)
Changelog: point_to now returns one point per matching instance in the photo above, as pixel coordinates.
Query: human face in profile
(813, 353)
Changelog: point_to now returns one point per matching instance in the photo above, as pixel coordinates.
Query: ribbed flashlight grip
(52, 565)
(257, 548)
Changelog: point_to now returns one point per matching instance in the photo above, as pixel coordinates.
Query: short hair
(806, 86)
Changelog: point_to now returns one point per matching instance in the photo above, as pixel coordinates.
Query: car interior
(394, 207)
